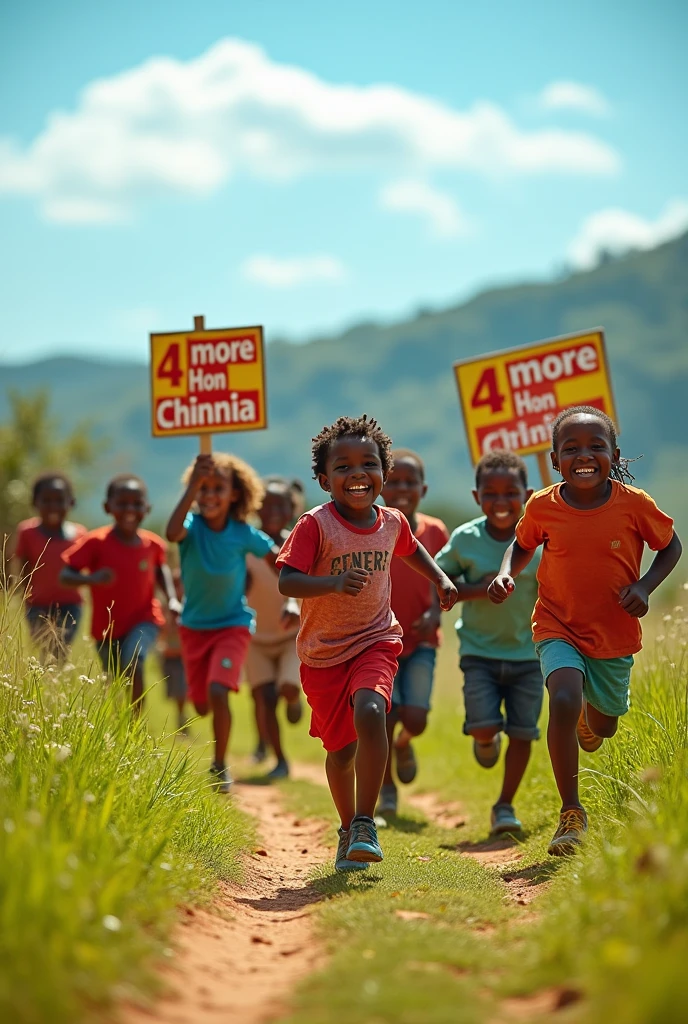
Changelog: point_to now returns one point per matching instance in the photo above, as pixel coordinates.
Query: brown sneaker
(573, 824)
(587, 740)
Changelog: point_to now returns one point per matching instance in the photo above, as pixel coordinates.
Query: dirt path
(239, 961)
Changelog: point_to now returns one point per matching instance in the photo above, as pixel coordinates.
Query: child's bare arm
(73, 578)
(163, 577)
(271, 558)
(203, 467)
(293, 583)
(635, 599)
(423, 563)
(515, 560)
(474, 591)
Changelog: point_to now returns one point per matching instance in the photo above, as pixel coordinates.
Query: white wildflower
(112, 923)
(63, 752)
(9, 826)
(89, 798)
(9, 757)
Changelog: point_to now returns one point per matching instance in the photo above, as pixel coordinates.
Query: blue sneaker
(503, 820)
(341, 861)
(363, 843)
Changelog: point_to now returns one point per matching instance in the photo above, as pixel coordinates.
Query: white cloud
(617, 231)
(190, 126)
(574, 96)
(438, 209)
(294, 271)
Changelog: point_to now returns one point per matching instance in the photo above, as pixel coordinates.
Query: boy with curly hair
(337, 560)
(216, 623)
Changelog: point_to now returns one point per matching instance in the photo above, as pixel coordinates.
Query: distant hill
(402, 374)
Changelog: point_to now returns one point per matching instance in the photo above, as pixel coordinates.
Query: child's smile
(52, 504)
(585, 457)
(501, 496)
(128, 506)
(404, 487)
(214, 498)
(354, 476)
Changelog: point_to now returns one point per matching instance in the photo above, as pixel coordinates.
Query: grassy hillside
(402, 374)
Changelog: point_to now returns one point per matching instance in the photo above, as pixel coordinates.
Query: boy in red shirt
(123, 564)
(337, 560)
(53, 611)
(415, 604)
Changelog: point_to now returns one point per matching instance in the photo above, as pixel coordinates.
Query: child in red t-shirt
(415, 604)
(337, 560)
(123, 564)
(53, 611)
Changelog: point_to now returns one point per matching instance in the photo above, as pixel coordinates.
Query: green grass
(103, 832)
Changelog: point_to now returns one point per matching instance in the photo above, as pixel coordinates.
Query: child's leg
(515, 764)
(601, 725)
(482, 697)
(419, 671)
(133, 650)
(266, 701)
(392, 719)
(565, 686)
(523, 692)
(370, 713)
(225, 655)
(339, 768)
(222, 719)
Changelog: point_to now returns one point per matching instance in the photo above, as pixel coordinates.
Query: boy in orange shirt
(53, 611)
(593, 528)
(416, 606)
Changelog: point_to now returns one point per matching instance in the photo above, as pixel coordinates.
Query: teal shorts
(606, 681)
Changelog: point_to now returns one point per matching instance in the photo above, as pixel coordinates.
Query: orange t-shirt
(411, 592)
(588, 557)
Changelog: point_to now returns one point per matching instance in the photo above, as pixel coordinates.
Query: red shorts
(330, 691)
(213, 656)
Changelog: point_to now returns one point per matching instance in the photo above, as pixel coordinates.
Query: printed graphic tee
(337, 627)
(412, 594)
(589, 555)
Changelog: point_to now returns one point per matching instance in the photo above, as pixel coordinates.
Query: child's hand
(202, 468)
(635, 600)
(500, 588)
(427, 625)
(447, 593)
(290, 615)
(101, 577)
(175, 607)
(352, 582)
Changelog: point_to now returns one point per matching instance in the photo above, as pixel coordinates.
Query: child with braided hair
(337, 560)
(593, 528)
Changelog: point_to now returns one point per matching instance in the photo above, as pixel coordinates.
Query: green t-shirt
(489, 630)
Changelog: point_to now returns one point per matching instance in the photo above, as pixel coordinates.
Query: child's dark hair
(349, 426)
(120, 481)
(244, 479)
(500, 460)
(619, 470)
(45, 479)
(406, 453)
(293, 489)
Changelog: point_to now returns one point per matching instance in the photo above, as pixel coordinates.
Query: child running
(53, 610)
(498, 659)
(123, 564)
(415, 604)
(216, 621)
(585, 624)
(272, 665)
(337, 560)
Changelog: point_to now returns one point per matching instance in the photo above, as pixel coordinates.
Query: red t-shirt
(130, 599)
(337, 627)
(411, 592)
(42, 553)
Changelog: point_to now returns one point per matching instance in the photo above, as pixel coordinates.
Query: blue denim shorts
(122, 653)
(60, 618)
(413, 681)
(606, 681)
(489, 682)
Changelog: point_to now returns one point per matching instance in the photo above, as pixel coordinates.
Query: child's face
(276, 512)
(353, 473)
(52, 503)
(214, 497)
(501, 496)
(584, 454)
(128, 506)
(404, 487)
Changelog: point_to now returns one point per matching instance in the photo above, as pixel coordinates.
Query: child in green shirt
(498, 660)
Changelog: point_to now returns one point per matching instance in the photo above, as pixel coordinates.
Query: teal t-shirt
(213, 566)
(489, 630)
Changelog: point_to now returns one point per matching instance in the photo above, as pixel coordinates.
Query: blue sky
(307, 166)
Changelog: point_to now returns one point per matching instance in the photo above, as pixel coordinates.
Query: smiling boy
(337, 560)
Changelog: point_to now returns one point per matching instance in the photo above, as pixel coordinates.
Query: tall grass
(103, 832)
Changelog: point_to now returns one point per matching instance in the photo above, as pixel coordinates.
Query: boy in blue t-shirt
(216, 622)
(498, 659)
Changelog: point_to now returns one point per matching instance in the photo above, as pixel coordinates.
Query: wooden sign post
(207, 382)
(510, 399)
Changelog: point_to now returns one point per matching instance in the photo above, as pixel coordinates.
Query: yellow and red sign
(207, 382)
(509, 399)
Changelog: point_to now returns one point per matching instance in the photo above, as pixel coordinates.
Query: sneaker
(406, 763)
(363, 842)
(341, 861)
(259, 754)
(387, 804)
(487, 754)
(280, 771)
(294, 711)
(573, 824)
(503, 819)
(587, 740)
(220, 778)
